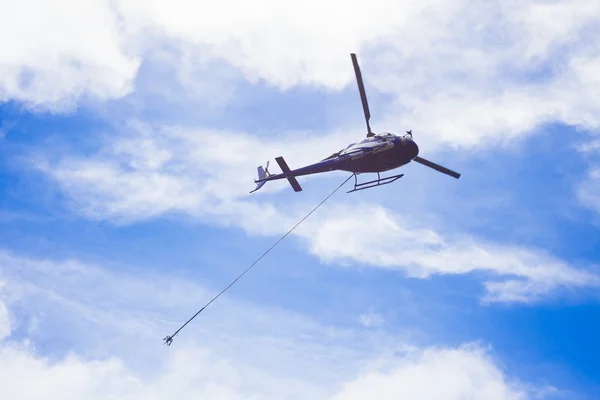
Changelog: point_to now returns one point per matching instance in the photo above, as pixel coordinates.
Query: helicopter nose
(413, 149)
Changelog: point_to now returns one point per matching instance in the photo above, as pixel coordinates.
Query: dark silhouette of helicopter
(375, 154)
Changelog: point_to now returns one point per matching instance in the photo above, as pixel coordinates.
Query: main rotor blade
(363, 94)
(437, 167)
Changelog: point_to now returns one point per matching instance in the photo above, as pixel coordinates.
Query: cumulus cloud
(495, 73)
(465, 72)
(145, 172)
(463, 373)
(149, 173)
(186, 371)
(378, 237)
(5, 322)
(371, 319)
(55, 53)
(109, 346)
(589, 190)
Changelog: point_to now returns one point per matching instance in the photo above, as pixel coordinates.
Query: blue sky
(126, 158)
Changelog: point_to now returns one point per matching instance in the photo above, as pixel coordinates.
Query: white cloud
(464, 72)
(5, 320)
(259, 43)
(462, 373)
(589, 190)
(53, 53)
(371, 319)
(207, 174)
(142, 172)
(104, 329)
(589, 146)
(374, 236)
(186, 370)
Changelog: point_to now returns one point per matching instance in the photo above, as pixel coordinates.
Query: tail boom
(291, 176)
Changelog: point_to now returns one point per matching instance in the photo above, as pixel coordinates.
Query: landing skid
(377, 182)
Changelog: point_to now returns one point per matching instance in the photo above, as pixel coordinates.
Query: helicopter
(376, 153)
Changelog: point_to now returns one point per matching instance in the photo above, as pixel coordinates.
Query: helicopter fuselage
(377, 153)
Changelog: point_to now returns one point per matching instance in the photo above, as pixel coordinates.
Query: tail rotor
(263, 173)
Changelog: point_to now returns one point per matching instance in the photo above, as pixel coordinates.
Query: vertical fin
(262, 174)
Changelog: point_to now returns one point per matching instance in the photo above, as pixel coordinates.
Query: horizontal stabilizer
(285, 169)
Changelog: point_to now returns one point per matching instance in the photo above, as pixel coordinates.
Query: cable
(169, 339)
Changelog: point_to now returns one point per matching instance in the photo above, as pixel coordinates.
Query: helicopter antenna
(363, 94)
